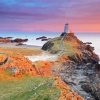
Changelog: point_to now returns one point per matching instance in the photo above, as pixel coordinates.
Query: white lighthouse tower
(64, 34)
(66, 28)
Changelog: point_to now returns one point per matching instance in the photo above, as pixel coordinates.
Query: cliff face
(77, 65)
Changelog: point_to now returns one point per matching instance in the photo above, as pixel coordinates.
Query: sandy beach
(15, 45)
(26, 50)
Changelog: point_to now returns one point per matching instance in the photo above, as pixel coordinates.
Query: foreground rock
(78, 65)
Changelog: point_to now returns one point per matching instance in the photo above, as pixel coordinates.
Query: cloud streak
(45, 14)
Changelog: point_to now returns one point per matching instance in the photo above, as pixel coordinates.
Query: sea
(93, 37)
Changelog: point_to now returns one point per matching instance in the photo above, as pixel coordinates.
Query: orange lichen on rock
(66, 92)
(17, 65)
(72, 39)
(4, 75)
(44, 68)
(22, 65)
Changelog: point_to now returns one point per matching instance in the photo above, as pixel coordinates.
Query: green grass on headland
(29, 88)
(56, 48)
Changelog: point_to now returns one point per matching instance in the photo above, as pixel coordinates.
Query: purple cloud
(33, 12)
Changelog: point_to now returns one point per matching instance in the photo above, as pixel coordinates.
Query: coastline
(15, 45)
(25, 50)
(26, 46)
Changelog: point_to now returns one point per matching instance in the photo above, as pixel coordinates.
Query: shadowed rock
(47, 46)
(43, 37)
(5, 59)
(19, 40)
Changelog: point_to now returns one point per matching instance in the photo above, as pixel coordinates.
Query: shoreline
(26, 50)
(15, 45)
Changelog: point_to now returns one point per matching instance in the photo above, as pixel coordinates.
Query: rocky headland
(78, 65)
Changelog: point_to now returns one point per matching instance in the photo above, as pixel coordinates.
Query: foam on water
(42, 57)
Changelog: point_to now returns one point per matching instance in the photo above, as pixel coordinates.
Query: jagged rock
(4, 59)
(92, 89)
(77, 76)
(18, 40)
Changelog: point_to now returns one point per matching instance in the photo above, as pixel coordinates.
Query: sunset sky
(49, 15)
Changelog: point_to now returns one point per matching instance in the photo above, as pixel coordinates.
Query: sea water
(94, 38)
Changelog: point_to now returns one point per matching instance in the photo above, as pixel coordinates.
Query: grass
(68, 49)
(29, 88)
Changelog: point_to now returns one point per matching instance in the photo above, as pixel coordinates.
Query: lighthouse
(66, 28)
(63, 35)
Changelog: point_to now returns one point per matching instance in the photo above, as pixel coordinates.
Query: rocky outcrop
(43, 37)
(80, 69)
(19, 40)
(10, 40)
(3, 58)
(83, 78)
(47, 46)
(5, 40)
